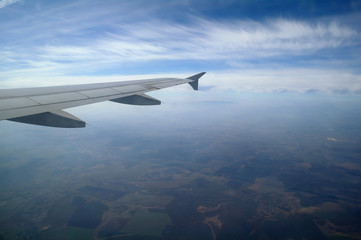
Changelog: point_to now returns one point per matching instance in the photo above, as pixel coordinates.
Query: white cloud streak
(4, 3)
(207, 40)
(64, 45)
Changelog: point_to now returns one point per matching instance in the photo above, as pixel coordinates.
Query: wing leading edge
(43, 106)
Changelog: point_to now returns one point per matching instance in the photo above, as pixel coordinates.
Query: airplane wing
(43, 105)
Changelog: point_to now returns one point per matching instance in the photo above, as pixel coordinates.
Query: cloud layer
(94, 42)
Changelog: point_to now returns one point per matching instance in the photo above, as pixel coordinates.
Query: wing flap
(165, 85)
(130, 88)
(99, 92)
(58, 97)
(11, 103)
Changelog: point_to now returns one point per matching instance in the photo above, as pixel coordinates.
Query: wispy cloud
(81, 41)
(211, 40)
(203, 40)
(4, 3)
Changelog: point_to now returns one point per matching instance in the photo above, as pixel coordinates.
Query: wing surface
(43, 105)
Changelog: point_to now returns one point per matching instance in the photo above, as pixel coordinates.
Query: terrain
(270, 174)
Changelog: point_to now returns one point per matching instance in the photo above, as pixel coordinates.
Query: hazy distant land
(262, 174)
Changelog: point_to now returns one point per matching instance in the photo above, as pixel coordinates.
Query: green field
(75, 233)
(148, 223)
(69, 233)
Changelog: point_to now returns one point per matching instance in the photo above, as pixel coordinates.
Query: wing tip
(195, 80)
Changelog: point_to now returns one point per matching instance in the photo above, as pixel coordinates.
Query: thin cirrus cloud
(89, 45)
(207, 40)
(4, 3)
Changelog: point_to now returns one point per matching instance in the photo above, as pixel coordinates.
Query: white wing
(43, 105)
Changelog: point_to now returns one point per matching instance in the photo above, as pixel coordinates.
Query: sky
(297, 47)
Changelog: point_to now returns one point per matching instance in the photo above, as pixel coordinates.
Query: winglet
(195, 79)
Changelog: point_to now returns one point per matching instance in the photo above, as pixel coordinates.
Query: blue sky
(245, 46)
